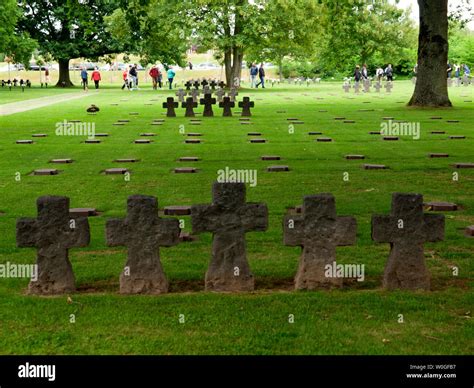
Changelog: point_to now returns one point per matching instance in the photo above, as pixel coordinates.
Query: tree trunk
(280, 68)
(431, 88)
(64, 81)
(228, 67)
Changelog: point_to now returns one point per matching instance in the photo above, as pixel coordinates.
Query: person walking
(154, 76)
(457, 70)
(357, 74)
(96, 77)
(364, 71)
(126, 82)
(171, 74)
(379, 74)
(253, 75)
(160, 77)
(46, 76)
(261, 75)
(132, 73)
(389, 73)
(84, 78)
(449, 70)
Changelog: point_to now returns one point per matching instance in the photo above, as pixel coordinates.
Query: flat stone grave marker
(324, 139)
(158, 120)
(318, 230)
(374, 167)
(83, 212)
(117, 124)
(278, 168)
(192, 141)
(189, 159)
(61, 161)
(229, 218)
(52, 235)
(438, 155)
(246, 104)
(194, 134)
(258, 140)
(142, 141)
(92, 141)
(116, 171)
(270, 157)
(185, 170)
(349, 121)
(441, 206)
(375, 133)
(407, 228)
(452, 121)
(314, 133)
(123, 121)
(463, 165)
(469, 231)
(281, 111)
(388, 118)
(147, 134)
(438, 132)
(339, 118)
(354, 157)
(39, 135)
(177, 210)
(227, 104)
(133, 113)
(390, 138)
(126, 160)
(143, 232)
(46, 171)
(457, 137)
(436, 118)
(292, 119)
(170, 106)
(24, 142)
(244, 119)
(101, 135)
(254, 134)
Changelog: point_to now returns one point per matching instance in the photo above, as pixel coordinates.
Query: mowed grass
(359, 319)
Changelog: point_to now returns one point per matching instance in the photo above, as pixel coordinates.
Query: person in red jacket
(96, 77)
(126, 82)
(154, 76)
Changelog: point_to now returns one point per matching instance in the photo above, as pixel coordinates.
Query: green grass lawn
(361, 318)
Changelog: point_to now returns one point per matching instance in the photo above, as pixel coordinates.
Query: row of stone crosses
(317, 229)
(205, 83)
(367, 84)
(15, 82)
(227, 103)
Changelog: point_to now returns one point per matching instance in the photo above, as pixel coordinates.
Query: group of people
(363, 74)
(457, 70)
(254, 72)
(95, 76)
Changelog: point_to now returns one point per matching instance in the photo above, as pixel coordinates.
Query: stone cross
(377, 87)
(227, 104)
(189, 105)
(188, 85)
(213, 84)
(220, 94)
(195, 94)
(367, 86)
(170, 105)
(53, 233)
(246, 104)
(233, 93)
(204, 83)
(196, 84)
(406, 229)
(388, 87)
(180, 94)
(143, 233)
(465, 80)
(207, 101)
(229, 217)
(319, 231)
(206, 90)
(346, 87)
(357, 87)
(221, 84)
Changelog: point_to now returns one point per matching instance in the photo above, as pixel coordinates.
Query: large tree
(70, 29)
(431, 86)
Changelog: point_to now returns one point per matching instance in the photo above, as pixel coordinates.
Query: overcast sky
(414, 7)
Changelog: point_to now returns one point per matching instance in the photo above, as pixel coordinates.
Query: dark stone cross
(213, 84)
(227, 104)
(204, 83)
(319, 231)
(196, 84)
(246, 104)
(229, 217)
(406, 229)
(189, 105)
(188, 85)
(53, 233)
(170, 105)
(221, 84)
(143, 232)
(207, 101)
